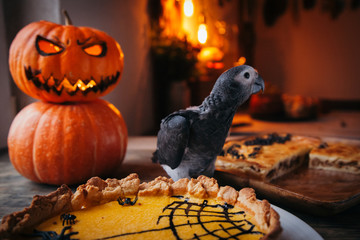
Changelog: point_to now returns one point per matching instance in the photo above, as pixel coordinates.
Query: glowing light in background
(211, 57)
(221, 27)
(215, 65)
(188, 8)
(240, 61)
(202, 33)
(210, 54)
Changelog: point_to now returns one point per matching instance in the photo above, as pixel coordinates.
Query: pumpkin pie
(160, 209)
(265, 157)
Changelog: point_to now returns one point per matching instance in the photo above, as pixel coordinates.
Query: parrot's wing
(172, 140)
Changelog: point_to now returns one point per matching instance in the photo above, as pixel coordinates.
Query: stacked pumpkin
(71, 134)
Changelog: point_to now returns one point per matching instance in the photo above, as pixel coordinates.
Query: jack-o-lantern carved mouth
(59, 85)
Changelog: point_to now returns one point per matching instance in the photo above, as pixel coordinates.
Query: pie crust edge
(98, 191)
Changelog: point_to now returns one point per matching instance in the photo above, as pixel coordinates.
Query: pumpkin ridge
(20, 151)
(74, 144)
(115, 120)
(35, 146)
(68, 141)
(119, 127)
(95, 140)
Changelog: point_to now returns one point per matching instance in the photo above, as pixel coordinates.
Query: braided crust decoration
(97, 191)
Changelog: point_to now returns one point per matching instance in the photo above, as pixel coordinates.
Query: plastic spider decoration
(68, 219)
(127, 201)
(51, 235)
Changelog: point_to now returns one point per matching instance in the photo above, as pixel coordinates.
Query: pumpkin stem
(67, 18)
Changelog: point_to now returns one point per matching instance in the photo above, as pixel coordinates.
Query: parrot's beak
(258, 85)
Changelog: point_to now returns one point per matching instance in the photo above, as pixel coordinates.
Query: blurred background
(175, 50)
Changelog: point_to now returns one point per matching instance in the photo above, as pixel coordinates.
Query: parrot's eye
(247, 75)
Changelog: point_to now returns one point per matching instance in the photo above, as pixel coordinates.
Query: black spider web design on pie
(189, 214)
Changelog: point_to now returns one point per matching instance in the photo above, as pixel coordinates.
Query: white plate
(294, 228)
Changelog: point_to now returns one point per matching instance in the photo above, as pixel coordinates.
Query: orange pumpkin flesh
(67, 143)
(64, 63)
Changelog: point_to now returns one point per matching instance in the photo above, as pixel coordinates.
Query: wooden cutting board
(319, 192)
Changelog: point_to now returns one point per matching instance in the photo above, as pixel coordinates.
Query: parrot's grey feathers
(173, 137)
(189, 140)
(172, 140)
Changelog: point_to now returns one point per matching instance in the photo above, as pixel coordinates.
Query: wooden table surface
(16, 192)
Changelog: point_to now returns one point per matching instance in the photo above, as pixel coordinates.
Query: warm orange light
(188, 8)
(202, 33)
(48, 47)
(112, 107)
(221, 27)
(94, 50)
(241, 61)
(215, 65)
(210, 54)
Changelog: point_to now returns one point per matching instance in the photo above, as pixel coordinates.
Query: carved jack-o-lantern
(64, 63)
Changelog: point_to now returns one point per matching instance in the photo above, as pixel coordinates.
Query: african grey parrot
(189, 140)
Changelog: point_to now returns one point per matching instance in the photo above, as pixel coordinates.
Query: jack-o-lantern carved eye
(46, 47)
(65, 63)
(96, 49)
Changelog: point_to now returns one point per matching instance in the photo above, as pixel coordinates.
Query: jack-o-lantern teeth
(58, 86)
(65, 63)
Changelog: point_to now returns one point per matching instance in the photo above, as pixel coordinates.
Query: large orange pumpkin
(64, 63)
(67, 143)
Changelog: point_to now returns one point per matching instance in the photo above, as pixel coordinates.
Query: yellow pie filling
(155, 218)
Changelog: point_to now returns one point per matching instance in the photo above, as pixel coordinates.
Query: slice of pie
(160, 209)
(337, 157)
(265, 157)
